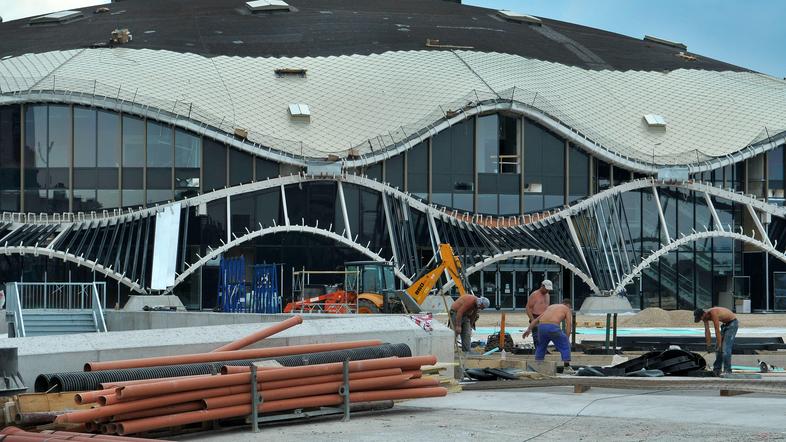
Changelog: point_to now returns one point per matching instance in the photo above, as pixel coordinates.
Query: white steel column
(660, 214)
(576, 242)
(229, 221)
(715, 217)
(389, 223)
(284, 205)
(759, 227)
(343, 202)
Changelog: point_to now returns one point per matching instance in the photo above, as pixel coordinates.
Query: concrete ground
(554, 413)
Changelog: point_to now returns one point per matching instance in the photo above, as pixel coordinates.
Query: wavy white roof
(355, 98)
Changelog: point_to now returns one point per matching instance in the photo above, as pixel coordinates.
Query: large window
(394, 171)
(497, 157)
(578, 171)
(215, 176)
(10, 161)
(133, 161)
(417, 170)
(160, 158)
(47, 158)
(108, 159)
(452, 168)
(188, 161)
(544, 169)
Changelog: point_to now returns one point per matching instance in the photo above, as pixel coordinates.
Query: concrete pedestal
(601, 305)
(137, 303)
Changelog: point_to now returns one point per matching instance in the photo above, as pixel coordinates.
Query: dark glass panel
(36, 151)
(215, 229)
(215, 155)
(621, 175)
(108, 138)
(59, 136)
(544, 169)
(602, 175)
(417, 170)
(453, 173)
(84, 139)
(241, 167)
(374, 171)
(133, 142)
(775, 174)
(266, 169)
(394, 171)
(10, 160)
(579, 174)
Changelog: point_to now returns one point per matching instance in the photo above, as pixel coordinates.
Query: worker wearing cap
(463, 314)
(724, 336)
(537, 303)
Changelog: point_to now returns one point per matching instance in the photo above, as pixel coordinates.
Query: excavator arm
(446, 261)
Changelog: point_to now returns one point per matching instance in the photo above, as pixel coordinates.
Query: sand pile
(657, 317)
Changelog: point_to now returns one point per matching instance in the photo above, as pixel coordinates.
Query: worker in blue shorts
(548, 325)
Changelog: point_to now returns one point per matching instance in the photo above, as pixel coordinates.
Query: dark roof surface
(343, 27)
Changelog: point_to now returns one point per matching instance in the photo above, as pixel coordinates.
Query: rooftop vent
(662, 41)
(519, 17)
(654, 120)
(267, 5)
(56, 17)
(300, 111)
(290, 72)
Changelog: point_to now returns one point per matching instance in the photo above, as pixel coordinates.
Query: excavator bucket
(409, 303)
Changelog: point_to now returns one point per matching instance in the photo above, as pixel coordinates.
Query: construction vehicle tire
(367, 307)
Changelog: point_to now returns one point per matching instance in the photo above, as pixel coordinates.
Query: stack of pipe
(128, 407)
(141, 407)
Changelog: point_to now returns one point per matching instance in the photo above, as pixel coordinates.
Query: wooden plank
(38, 402)
(664, 383)
(729, 393)
(580, 388)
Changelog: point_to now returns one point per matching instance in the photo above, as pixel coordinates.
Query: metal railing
(59, 295)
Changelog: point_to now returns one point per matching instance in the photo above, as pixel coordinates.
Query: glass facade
(61, 158)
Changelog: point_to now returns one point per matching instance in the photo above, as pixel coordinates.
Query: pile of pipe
(129, 407)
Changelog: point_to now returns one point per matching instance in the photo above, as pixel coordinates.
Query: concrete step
(58, 322)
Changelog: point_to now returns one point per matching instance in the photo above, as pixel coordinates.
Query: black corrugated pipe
(91, 380)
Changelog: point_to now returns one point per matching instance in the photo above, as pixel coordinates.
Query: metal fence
(59, 295)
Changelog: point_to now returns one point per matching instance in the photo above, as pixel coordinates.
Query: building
(323, 131)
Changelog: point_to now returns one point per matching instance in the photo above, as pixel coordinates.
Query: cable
(587, 406)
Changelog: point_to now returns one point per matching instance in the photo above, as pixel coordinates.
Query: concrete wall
(46, 354)
(119, 320)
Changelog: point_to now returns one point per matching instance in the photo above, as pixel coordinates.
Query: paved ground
(548, 414)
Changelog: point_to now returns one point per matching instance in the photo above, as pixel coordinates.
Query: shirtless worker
(549, 331)
(537, 303)
(724, 335)
(463, 313)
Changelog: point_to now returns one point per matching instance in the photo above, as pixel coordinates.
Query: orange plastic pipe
(262, 334)
(416, 383)
(228, 355)
(172, 386)
(307, 390)
(414, 374)
(272, 385)
(241, 379)
(408, 363)
(113, 385)
(89, 397)
(169, 409)
(152, 423)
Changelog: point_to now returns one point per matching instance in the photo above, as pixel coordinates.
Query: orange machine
(370, 285)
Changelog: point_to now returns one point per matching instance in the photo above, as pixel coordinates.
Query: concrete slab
(46, 354)
(138, 302)
(755, 411)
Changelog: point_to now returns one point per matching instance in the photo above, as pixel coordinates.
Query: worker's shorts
(552, 333)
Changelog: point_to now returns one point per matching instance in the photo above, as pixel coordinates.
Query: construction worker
(548, 326)
(537, 303)
(724, 336)
(463, 314)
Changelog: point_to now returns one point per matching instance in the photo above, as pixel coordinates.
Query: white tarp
(165, 247)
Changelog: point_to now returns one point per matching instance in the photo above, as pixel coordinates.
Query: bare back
(723, 314)
(555, 314)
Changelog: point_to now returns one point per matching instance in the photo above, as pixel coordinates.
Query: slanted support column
(764, 237)
(715, 217)
(229, 219)
(432, 227)
(343, 203)
(660, 214)
(389, 224)
(576, 242)
(284, 205)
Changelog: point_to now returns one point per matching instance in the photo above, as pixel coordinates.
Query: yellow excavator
(375, 285)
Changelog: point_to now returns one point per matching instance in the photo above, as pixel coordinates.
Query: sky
(747, 33)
